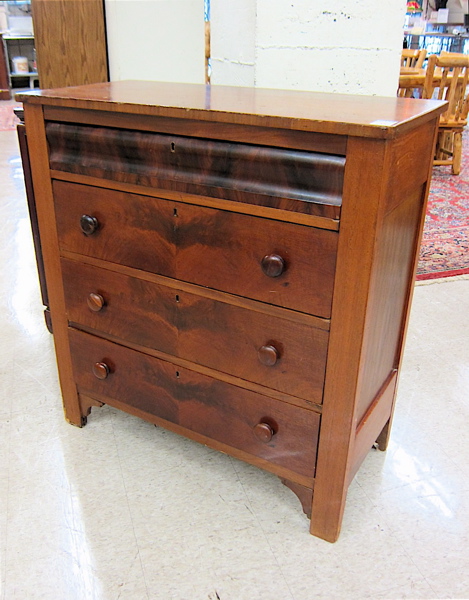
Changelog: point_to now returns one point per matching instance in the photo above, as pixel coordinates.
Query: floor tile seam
(435, 576)
(452, 325)
(397, 537)
(124, 467)
(405, 553)
(404, 487)
(383, 593)
(259, 523)
(377, 505)
(436, 443)
(145, 579)
(23, 369)
(465, 487)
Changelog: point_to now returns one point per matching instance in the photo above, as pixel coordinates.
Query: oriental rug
(445, 244)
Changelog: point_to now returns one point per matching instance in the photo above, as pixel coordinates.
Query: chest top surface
(363, 116)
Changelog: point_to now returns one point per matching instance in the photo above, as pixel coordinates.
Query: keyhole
(177, 374)
(175, 212)
(173, 147)
(177, 297)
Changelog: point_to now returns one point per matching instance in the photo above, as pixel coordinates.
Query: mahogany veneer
(235, 265)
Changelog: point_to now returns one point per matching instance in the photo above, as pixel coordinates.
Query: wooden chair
(413, 58)
(445, 53)
(447, 79)
(411, 88)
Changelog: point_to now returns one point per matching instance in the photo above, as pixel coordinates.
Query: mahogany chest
(235, 265)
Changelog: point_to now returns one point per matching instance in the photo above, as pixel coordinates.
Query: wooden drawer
(213, 248)
(276, 352)
(212, 408)
(289, 179)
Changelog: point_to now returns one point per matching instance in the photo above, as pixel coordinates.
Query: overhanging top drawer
(294, 180)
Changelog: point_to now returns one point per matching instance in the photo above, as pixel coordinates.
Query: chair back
(446, 53)
(413, 58)
(447, 78)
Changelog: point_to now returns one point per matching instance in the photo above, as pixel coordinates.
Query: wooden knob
(264, 432)
(89, 224)
(95, 302)
(101, 370)
(268, 355)
(273, 265)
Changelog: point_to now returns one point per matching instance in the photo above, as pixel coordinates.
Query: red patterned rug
(445, 243)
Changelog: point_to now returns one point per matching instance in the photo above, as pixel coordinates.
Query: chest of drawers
(235, 265)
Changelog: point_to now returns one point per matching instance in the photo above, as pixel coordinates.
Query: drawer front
(287, 356)
(295, 180)
(275, 262)
(220, 411)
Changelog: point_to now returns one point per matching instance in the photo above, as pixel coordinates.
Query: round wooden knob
(95, 302)
(268, 355)
(264, 432)
(273, 265)
(101, 370)
(89, 224)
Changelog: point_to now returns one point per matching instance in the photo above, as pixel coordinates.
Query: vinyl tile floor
(124, 510)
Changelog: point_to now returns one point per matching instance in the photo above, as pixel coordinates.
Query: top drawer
(272, 261)
(293, 180)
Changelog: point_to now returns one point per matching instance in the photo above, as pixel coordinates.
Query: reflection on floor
(121, 509)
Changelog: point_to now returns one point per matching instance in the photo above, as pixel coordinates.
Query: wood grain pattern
(365, 166)
(207, 406)
(388, 289)
(398, 231)
(28, 184)
(262, 463)
(384, 435)
(370, 310)
(276, 214)
(70, 42)
(213, 248)
(215, 334)
(405, 156)
(377, 416)
(37, 145)
(264, 136)
(375, 117)
(241, 301)
(287, 179)
(304, 494)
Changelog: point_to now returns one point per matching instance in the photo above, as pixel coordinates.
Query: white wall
(344, 46)
(3, 18)
(457, 10)
(158, 40)
(233, 41)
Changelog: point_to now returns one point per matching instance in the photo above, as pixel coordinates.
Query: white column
(233, 42)
(341, 46)
(157, 40)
